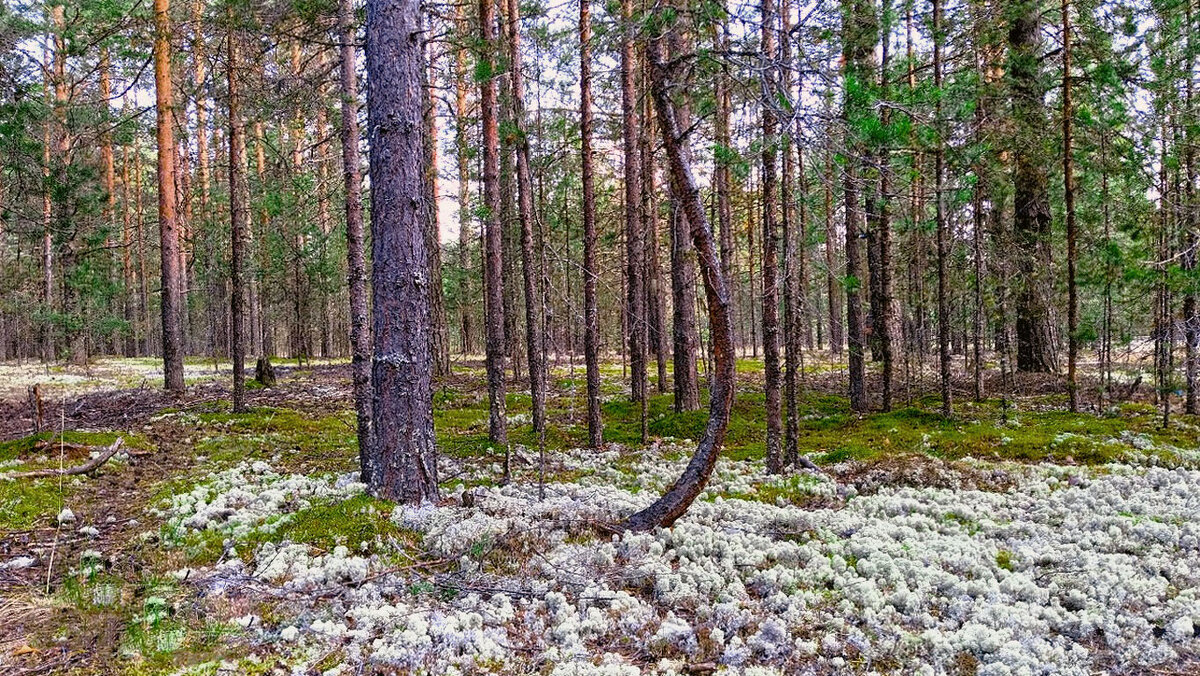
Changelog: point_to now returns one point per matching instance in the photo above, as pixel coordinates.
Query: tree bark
(1192, 222)
(239, 197)
(438, 332)
(679, 497)
(634, 244)
(1069, 207)
(591, 322)
(493, 235)
(168, 226)
(943, 243)
(861, 31)
(770, 253)
(832, 291)
(535, 340)
(462, 157)
(1031, 218)
(686, 343)
(360, 330)
(402, 463)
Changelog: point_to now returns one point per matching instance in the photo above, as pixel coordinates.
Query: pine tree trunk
(770, 254)
(676, 500)
(239, 197)
(832, 290)
(535, 340)
(634, 244)
(1192, 223)
(168, 226)
(1032, 217)
(861, 31)
(439, 345)
(1069, 207)
(402, 459)
(591, 321)
(943, 243)
(492, 230)
(462, 157)
(360, 330)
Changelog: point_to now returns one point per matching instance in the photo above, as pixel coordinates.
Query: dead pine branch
(86, 468)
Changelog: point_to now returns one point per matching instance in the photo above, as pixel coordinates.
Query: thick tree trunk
(360, 330)
(1032, 217)
(402, 463)
(679, 497)
(591, 321)
(168, 226)
(492, 230)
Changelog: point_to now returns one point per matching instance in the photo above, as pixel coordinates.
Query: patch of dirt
(923, 472)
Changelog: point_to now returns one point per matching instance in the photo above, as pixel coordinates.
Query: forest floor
(1015, 538)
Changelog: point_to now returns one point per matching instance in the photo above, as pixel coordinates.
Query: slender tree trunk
(127, 256)
(143, 268)
(722, 172)
(535, 340)
(833, 293)
(403, 459)
(770, 197)
(1069, 205)
(438, 332)
(943, 239)
(861, 30)
(239, 197)
(1191, 222)
(360, 330)
(655, 299)
(591, 322)
(462, 156)
(108, 165)
(261, 328)
(634, 244)
(493, 235)
(791, 328)
(889, 315)
(168, 226)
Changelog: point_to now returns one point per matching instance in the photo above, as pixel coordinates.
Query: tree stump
(264, 373)
(37, 411)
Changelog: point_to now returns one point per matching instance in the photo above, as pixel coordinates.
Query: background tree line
(941, 194)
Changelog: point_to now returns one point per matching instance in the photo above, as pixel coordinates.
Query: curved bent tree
(679, 497)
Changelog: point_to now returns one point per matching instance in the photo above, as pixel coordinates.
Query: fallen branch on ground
(85, 468)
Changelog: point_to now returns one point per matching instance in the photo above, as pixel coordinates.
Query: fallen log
(85, 468)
